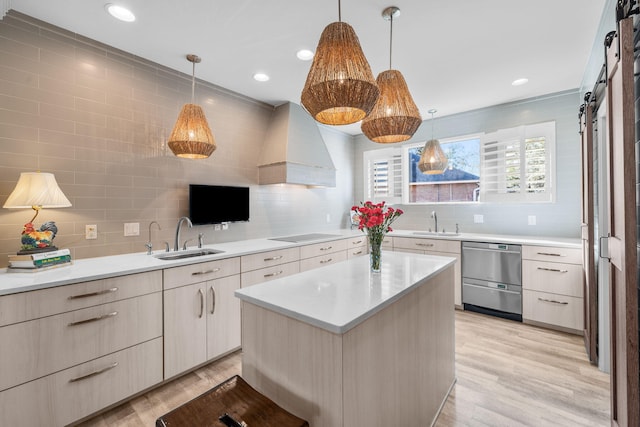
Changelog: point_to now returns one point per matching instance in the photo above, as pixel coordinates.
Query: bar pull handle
(213, 299)
(549, 254)
(324, 261)
(356, 243)
(553, 301)
(277, 273)
(428, 245)
(600, 246)
(94, 319)
(273, 258)
(326, 248)
(94, 373)
(201, 303)
(198, 273)
(552, 269)
(356, 253)
(93, 294)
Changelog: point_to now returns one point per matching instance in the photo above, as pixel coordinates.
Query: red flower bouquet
(375, 219)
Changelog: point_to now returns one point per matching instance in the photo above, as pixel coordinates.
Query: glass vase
(375, 253)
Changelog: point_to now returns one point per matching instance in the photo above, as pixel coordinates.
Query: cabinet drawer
(270, 273)
(65, 397)
(321, 261)
(387, 242)
(553, 277)
(438, 245)
(324, 248)
(46, 302)
(268, 259)
(194, 273)
(552, 254)
(357, 242)
(39, 347)
(552, 309)
(357, 251)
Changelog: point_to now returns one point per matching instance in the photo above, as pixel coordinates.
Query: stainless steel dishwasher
(492, 279)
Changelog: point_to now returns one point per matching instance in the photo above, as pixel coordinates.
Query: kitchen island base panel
(395, 368)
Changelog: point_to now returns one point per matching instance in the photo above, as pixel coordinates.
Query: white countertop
(493, 238)
(117, 265)
(342, 295)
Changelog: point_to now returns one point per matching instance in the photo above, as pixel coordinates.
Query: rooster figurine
(33, 239)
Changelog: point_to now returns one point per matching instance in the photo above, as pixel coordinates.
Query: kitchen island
(339, 346)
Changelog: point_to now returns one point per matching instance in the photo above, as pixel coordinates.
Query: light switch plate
(131, 228)
(91, 232)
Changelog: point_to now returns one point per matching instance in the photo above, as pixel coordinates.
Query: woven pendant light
(433, 160)
(395, 117)
(340, 88)
(191, 137)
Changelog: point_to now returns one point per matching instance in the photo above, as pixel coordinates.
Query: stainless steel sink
(433, 233)
(171, 256)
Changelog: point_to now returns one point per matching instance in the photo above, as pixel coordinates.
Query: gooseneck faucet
(149, 245)
(435, 218)
(176, 246)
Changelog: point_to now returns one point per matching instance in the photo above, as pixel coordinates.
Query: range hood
(294, 151)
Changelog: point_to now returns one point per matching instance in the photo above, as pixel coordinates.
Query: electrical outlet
(131, 228)
(225, 225)
(532, 220)
(217, 227)
(478, 219)
(91, 232)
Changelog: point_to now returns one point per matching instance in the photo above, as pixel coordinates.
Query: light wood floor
(509, 374)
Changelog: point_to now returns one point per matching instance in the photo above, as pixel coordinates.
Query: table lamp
(37, 190)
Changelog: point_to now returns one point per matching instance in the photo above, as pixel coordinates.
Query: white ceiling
(455, 55)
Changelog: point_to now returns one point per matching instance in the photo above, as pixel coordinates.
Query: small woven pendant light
(191, 137)
(395, 117)
(433, 160)
(340, 88)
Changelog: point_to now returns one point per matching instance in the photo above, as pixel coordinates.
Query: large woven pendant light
(340, 88)
(433, 160)
(191, 137)
(395, 117)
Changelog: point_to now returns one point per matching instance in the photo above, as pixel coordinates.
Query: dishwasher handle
(506, 291)
(502, 251)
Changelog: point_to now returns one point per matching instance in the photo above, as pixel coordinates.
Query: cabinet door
(185, 328)
(223, 316)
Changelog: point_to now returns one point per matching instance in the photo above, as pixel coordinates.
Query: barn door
(622, 225)
(588, 234)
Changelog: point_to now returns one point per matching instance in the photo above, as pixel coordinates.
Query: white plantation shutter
(517, 164)
(383, 175)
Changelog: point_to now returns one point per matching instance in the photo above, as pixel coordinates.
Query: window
(508, 165)
(383, 175)
(459, 182)
(517, 164)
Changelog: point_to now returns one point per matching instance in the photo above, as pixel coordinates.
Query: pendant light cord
(193, 83)
(339, 12)
(432, 125)
(390, 40)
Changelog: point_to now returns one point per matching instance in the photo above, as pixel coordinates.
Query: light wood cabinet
(70, 351)
(266, 274)
(269, 259)
(323, 260)
(552, 287)
(441, 247)
(193, 273)
(72, 394)
(201, 320)
(357, 246)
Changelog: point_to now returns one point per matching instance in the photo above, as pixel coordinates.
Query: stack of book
(40, 260)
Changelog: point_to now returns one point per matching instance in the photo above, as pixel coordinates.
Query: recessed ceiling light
(120, 12)
(260, 77)
(519, 82)
(304, 54)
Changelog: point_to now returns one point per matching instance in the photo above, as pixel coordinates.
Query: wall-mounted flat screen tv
(214, 204)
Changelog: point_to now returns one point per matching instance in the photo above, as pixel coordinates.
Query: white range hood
(294, 151)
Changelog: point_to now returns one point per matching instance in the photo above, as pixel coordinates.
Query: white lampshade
(36, 190)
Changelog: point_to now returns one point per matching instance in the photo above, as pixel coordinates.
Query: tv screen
(214, 204)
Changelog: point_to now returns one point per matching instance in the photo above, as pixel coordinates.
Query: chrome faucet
(435, 217)
(149, 245)
(176, 246)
